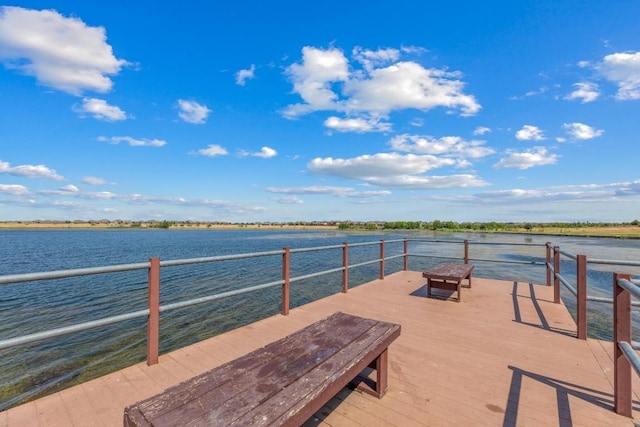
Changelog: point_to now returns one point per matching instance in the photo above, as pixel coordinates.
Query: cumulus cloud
(530, 133)
(359, 125)
(327, 81)
(243, 75)
(134, 142)
(584, 92)
(30, 171)
(213, 150)
(481, 130)
(582, 131)
(99, 109)
(537, 156)
(265, 153)
(292, 200)
(452, 146)
(346, 192)
(623, 69)
(192, 112)
(14, 189)
(93, 180)
(394, 169)
(62, 53)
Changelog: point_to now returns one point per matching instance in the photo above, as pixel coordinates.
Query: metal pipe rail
(624, 355)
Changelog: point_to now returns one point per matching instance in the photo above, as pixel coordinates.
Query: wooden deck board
(506, 355)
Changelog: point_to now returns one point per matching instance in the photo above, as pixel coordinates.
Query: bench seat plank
(284, 382)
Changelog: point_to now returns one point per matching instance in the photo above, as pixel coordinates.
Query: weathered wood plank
(291, 377)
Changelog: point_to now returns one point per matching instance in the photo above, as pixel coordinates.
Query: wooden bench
(448, 276)
(283, 383)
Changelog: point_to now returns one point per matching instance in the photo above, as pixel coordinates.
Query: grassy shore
(628, 231)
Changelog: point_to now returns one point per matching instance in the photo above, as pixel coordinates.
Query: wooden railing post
(345, 267)
(466, 251)
(581, 305)
(556, 272)
(406, 254)
(153, 321)
(381, 259)
(286, 275)
(548, 245)
(621, 332)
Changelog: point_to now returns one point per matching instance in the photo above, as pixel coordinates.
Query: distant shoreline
(623, 231)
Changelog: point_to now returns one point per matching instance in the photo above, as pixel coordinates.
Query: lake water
(32, 370)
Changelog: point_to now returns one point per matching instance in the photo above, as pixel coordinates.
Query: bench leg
(378, 389)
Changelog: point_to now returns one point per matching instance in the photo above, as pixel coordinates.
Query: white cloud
(213, 150)
(530, 133)
(394, 169)
(359, 125)
(406, 85)
(100, 110)
(585, 92)
(582, 131)
(452, 146)
(265, 153)
(70, 188)
(623, 69)
(134, 142)
(537, 156)
(14, 189)
(92, 180)
(243, 75)
(481, 130)
(325, 82)
(292, 200)
(61, 53)
(347, 192)
(192, 112)
(30, 171)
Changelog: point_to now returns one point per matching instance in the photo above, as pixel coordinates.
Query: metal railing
(624, 355)
(580, 289)
(154, 266)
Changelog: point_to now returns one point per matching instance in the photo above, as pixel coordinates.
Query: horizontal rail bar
(471, 242)
(613, 262)
(630, 354)
(567, 254)
(319, 248)
(60, 274)
(567, 284)
(175, 262)
(508, 261)
(221, 295)
(375, 261)
(627, 285)
(610, 300)
(52, 333)
(316, 274)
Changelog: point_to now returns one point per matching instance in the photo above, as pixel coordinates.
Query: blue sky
(303, 111)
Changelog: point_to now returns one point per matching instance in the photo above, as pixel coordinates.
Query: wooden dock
(505, 356)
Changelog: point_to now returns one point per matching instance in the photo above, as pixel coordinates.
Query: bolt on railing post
(406, 254)
(556, 272)
(153, 321)
(286, 276)
(548, 245)
(466, 251)
(581, 305)
(621, 332)
(345, 267)
(381, 259)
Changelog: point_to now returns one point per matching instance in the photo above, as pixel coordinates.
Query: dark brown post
(556, 272)
(621, 332)
(466, 251)
(406, 254)
(345, 267)
(381, 259)
(286, 263)
(581, 280)
(548, 245)
(153, 322)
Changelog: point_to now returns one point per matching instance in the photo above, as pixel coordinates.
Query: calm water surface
(32, 370)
